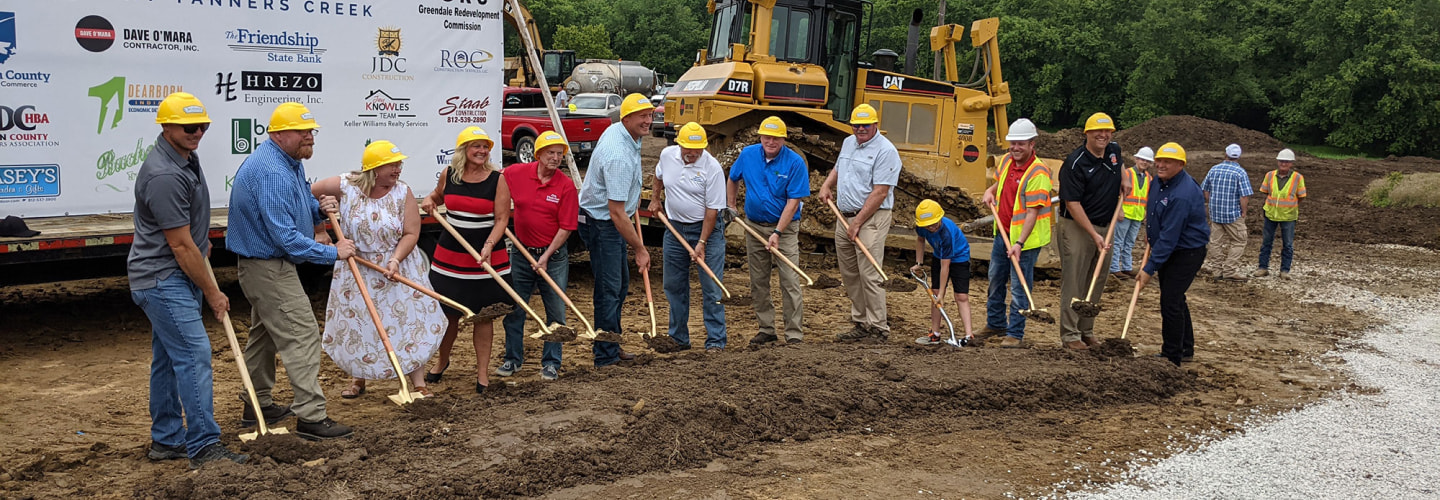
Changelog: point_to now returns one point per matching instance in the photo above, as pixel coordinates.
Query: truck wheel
(525, 149)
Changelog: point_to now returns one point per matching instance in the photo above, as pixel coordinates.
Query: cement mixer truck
(612, 77)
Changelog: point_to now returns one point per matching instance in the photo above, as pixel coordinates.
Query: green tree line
(1358, 74)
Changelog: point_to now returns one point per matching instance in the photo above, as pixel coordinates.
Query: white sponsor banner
(80, 82)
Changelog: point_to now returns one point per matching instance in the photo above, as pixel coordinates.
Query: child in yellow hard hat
(951, 263)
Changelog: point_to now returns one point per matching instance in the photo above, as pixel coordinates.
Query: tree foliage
(1361, 74)
(591, 41)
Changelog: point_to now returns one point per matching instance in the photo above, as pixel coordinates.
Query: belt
(536, 251)
(849, 215)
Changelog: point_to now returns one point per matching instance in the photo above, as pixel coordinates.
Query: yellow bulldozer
(798, 59)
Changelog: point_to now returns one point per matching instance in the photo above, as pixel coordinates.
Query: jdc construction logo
(387, 63)
(285, 46)
(245, 133)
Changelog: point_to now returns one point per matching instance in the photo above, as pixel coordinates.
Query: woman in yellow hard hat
(477, 203)
(1178, 231)
(378, 212)
(950, 263)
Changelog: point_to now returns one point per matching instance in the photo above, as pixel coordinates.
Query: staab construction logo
(245, 133)
(458, 109)
(24, 182)
(285, 47)
(94, 33)
(387, 63)
(24, 127)
(468, 61)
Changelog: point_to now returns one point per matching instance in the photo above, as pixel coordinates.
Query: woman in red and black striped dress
(477, 203)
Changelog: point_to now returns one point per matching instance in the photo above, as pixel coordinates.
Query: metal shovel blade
(251, 436)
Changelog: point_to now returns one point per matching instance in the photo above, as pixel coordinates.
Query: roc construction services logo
(20, 126)
(116, 97)
(468, 61)
(387, 63)
(29, 181)
(244, 134)
(285, 46)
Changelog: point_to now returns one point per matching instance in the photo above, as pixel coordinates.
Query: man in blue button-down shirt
(276, 223)
(1177, 234)
(1227, 189)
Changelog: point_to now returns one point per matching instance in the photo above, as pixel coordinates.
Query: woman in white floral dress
(379, 213)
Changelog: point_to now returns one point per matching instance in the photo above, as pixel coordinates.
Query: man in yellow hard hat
(1284, 189)
(692, 186)
(950, 263)
(276, 223)
(609, 198)
(1177, 232)
(1091, 183)
(775, 180)
(170, 279)
(862, 186)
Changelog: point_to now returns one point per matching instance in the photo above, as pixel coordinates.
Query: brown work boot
(1260, 273)
(988, 332)
(1010, 342)
(1076, 345)
(1089, 340)
(854, 334)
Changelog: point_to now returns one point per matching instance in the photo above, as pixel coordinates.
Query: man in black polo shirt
(1090, 185)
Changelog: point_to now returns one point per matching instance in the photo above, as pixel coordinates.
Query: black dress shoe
(431, 378)
(324, 429)
(273, 413)
(480, 388)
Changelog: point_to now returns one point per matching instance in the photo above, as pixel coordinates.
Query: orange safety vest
(1035, 185)
(1134, 204)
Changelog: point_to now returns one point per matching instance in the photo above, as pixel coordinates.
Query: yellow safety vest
(1134, 204)
(1035, 187)
(1282, 203)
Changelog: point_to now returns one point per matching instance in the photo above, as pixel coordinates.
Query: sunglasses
(191, 128)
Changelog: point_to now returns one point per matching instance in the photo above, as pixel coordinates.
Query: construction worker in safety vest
(1021, 199)
(1283, 189)
(1127, 229)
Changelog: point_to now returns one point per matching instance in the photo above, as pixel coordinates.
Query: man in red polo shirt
(547, 209)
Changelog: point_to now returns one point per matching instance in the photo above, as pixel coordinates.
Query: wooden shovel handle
(776, 251)
(410, 283)
(493, 275)
(645, 275)
(1109, 237)
(534, 264)
(239, 358)
(691, 250)
(1019, 273)
(846, 224)
(374, 313)
(1135, 297)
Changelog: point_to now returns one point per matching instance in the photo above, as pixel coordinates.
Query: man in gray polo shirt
(169, 278)
(861, 185)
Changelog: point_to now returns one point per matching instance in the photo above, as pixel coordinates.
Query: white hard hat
(1021, 130)
(1146, 154)
(1232, 151)
(1286, 155)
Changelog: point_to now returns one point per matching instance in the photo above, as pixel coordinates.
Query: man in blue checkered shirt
(1227, 188)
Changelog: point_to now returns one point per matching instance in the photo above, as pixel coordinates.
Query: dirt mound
(289, 448)
(1194, 134)
(559, 333)
(1114, 348)
(1058, 144)
(604, 336)
(492, 311)
(824, 281)
(597, 426)
(663, 344)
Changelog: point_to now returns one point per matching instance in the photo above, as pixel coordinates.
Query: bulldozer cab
(557, 64)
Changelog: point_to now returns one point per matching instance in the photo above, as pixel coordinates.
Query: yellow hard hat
(1099, 121)
(292, 116)
(692, 136)
(472, 133)
(1172, 151)
(928, 213)
(380, 153)
(633, 103)
(773, 127)
(550, 138)
(864, 114)
(181, 108)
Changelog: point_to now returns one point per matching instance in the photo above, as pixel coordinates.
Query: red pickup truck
(525, 117)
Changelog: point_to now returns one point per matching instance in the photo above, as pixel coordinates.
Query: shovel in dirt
(534, 264)
(846, 224)
(1089, 308)
(1039, 314)
(645, 274)
(467, 315)
(936, 301)
(1135, 297)
(756, 234)
(263, 430)
(405, 396)
(544, 329)
(691, 250)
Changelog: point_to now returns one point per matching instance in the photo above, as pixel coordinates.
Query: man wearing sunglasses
(169, 280)
(275, 223)
(861, 186)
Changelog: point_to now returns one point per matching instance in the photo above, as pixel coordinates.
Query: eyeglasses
(310, 132)
(192, 127)
(861, 127)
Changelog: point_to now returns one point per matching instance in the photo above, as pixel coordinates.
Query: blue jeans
(608, 263)
(1001, 273)
(525, 281)
(1287, 237)
(182, 392)
(1126, 230)
(677, 283)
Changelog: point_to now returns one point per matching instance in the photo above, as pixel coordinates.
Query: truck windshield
(726, 29)
(589, 102)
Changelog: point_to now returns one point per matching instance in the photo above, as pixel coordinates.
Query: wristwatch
(776, 230)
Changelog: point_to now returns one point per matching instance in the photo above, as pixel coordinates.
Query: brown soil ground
(814, 420)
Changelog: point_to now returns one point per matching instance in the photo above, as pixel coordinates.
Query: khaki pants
(1078, 258)
(760, 261)
(1227, 244)
(862, 280)
(281, 322)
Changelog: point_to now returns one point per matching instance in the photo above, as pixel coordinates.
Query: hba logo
(23, 117)
(379, 104)
(244, 134)
(7, 36)
(387, 62)
(94, 33)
